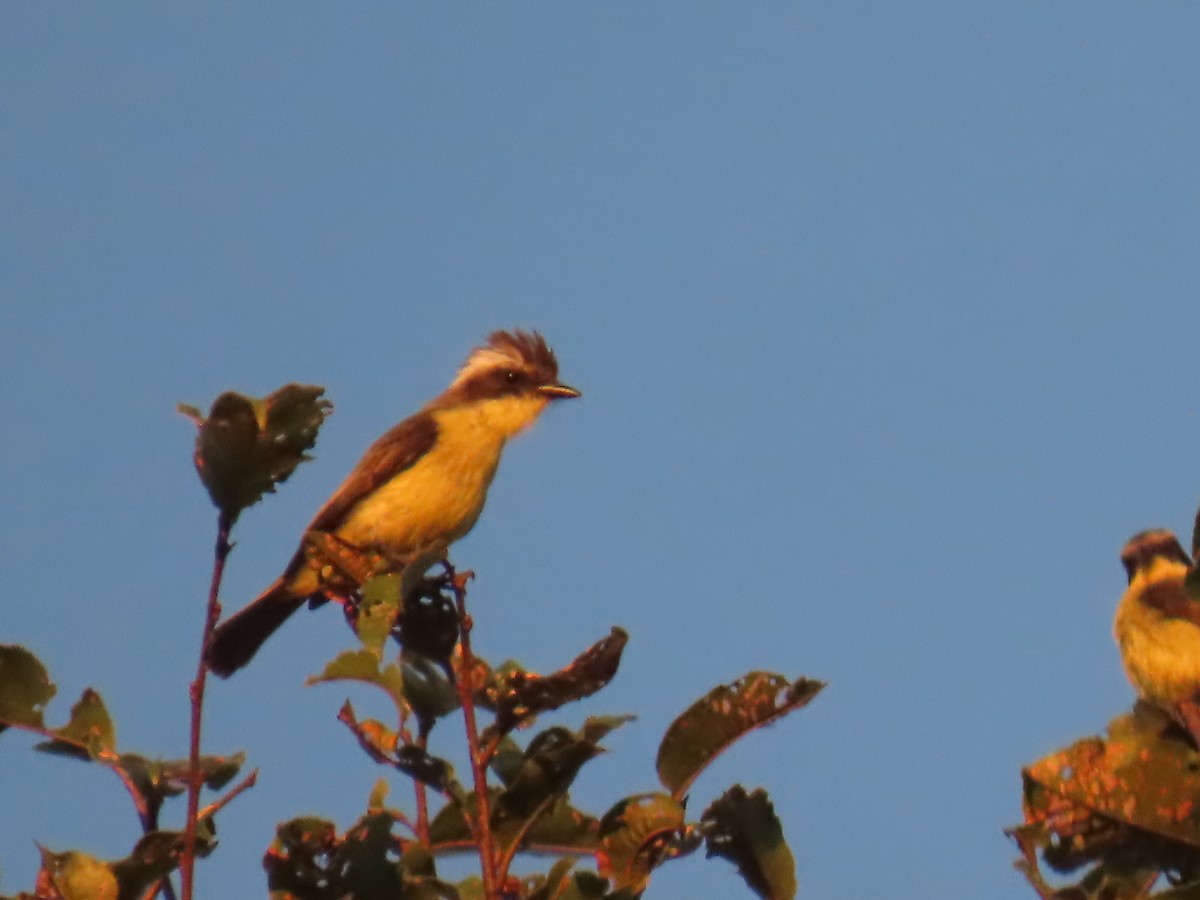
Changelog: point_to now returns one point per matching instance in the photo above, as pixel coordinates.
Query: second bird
(421, 485)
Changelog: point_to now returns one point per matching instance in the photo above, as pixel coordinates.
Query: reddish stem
(187, 865)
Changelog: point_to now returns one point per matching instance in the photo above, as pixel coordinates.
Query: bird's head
(1148, 547)
(511, 379)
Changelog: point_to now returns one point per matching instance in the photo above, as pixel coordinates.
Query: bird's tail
(237, 639)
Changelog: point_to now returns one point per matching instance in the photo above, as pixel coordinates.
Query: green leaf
(554, 883)
(428, 690)
(89, 732)
(308, 859)
(77, 876)
(722, 716)
(744, 829)
(378, 612)
(25, 687)
(640, 833)
(246, 445)
(551, 762)
(156, 779)
(364, 666)
(521, 695)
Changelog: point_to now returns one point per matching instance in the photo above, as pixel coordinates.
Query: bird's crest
(524, 350)
(1148, 545)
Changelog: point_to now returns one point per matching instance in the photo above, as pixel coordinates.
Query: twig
(187, 865)
(221, 802)
(422, 829)
(466, 693)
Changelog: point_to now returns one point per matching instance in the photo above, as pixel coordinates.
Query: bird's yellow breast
(1160, 653)
(439, 498)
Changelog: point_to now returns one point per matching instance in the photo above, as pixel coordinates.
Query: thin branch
(466, 691)
(195, 777)
(220, 803)
(422, 829)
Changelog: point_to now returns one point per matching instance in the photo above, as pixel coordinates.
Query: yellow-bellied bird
(1157, 626)
(421, 485)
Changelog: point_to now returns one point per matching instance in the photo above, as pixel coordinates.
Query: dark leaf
(522, 695)
(309, 860)
(553, 884)
(248, 445)
(744, 829)
(551, 762)
(718, 719)
(428, 690)
(427, 769)
(25, 687)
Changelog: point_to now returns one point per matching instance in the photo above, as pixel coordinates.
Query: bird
(1157, 626)
(421, 485)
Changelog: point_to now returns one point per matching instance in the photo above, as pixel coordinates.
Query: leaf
(521, 695)
(77, 876)
(378, 742)
(638, 834)
(419, 764)
(712, 723)
(246, 445)
(428, 690)
(553, 884)
(585, 886)
(551, 762)
(25, 687)
(156, 779)
(154, 857)
(744, 829)
(89, 732)
(1126, 805)
(364, 666)
(309, 859)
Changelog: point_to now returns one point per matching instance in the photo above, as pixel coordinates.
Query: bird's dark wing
(398, 449)
(1172, 599)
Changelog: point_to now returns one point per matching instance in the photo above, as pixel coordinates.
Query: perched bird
(1157, 626)
(422, 484)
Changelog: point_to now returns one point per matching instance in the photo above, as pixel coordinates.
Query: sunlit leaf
(638, 834)
(364, 666)
(718, 719)
(1128, 806)
(246, 445)
(744, 829)
(77, 876)
(378, 741)
(25, 687)
(89, 731)
(522, 695)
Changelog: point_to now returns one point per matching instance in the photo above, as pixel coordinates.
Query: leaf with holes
(25, 688)
(248, 445)
(744, 829)
(718, 719)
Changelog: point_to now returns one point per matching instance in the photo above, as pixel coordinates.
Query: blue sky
(884, 314)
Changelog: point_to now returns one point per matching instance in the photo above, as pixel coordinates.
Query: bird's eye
(511, 377)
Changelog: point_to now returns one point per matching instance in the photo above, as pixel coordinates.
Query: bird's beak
(556, 391)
